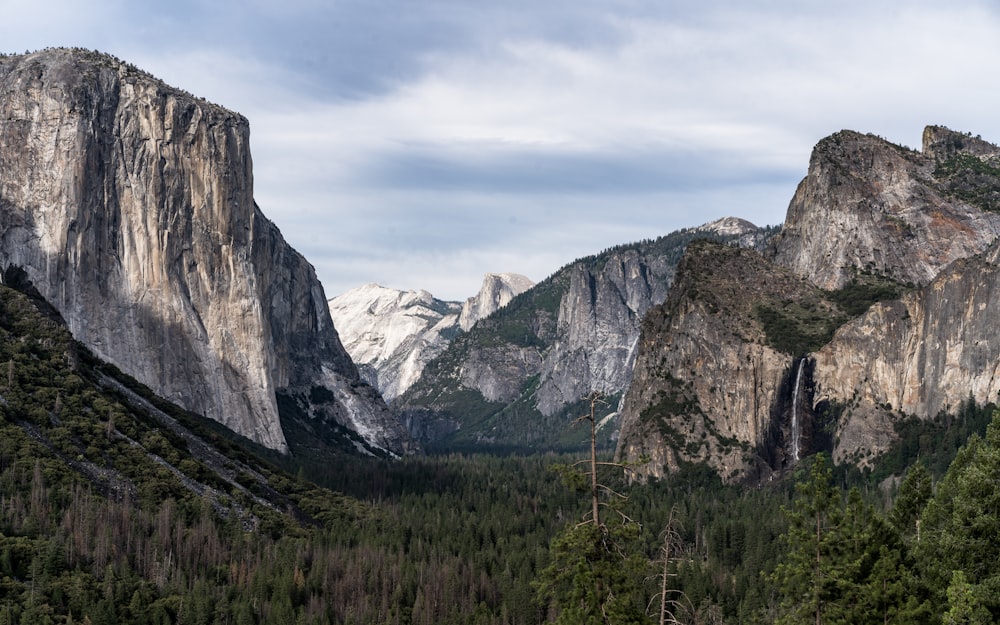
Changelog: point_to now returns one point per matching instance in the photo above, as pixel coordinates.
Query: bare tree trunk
(594, 398)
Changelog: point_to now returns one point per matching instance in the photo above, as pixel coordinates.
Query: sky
(420, 144)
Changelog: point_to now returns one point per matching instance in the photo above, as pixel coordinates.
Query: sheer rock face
(495, 293)
(598, 325)
(706, 386)
(927, 352)
(709, 386)
(130, 207)
(868, 205)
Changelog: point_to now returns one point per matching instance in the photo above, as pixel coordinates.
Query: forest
(112, 510)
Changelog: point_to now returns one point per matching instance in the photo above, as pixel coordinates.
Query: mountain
(495, 293)
(870, 308)
(518, 377)
(392, 334)
(129, 206)
(869, 205)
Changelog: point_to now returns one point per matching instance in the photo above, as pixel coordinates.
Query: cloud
(422, 144)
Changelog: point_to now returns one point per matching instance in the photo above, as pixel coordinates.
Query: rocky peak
(730, 227)
(940, 144)
(867, 205)
(129, 206)
(748, 365)
(391, 334)
(495, 293)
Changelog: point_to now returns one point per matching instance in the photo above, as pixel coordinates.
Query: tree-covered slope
(518, 377)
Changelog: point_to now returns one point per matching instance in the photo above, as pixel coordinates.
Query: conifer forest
(115, 510)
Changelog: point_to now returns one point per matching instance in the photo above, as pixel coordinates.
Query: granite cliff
(869, 205)
(129, 206)
(873, 305)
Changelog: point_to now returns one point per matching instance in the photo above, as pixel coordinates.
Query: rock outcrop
(904, 246)
(495, 293)
(869, 205)
(129, 205)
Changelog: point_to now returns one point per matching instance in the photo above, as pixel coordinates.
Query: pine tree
(960, 530)
(597, 569)
(807, 579)
(914, 493)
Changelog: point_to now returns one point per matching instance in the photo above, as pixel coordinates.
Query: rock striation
(129, 205)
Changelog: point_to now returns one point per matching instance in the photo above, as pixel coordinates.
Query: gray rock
(393, 334)
(868, 205)
(710, 387)
(129, 205)
(495, 293)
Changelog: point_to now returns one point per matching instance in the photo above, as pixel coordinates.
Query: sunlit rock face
(495, 293)
(129, 205)
(925, 353)
(392, 334)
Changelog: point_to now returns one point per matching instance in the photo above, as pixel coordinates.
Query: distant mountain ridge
(392, 334)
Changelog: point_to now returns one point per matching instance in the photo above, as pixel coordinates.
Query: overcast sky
(423, 143)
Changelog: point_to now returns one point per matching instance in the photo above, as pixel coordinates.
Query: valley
(789, 422)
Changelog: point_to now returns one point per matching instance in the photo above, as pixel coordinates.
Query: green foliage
(803, 326)
(972, 179)
(960, 530)
(597, 567)
(933, 441)
(596, 576)
(865, 289)
(798, 328)
(844, 563)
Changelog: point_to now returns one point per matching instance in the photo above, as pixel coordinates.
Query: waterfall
(795, 412)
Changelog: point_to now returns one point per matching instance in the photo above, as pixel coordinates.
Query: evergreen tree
(597, 568)
(845, 563)
(914, 493)
(959, 548)
(808, 579)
